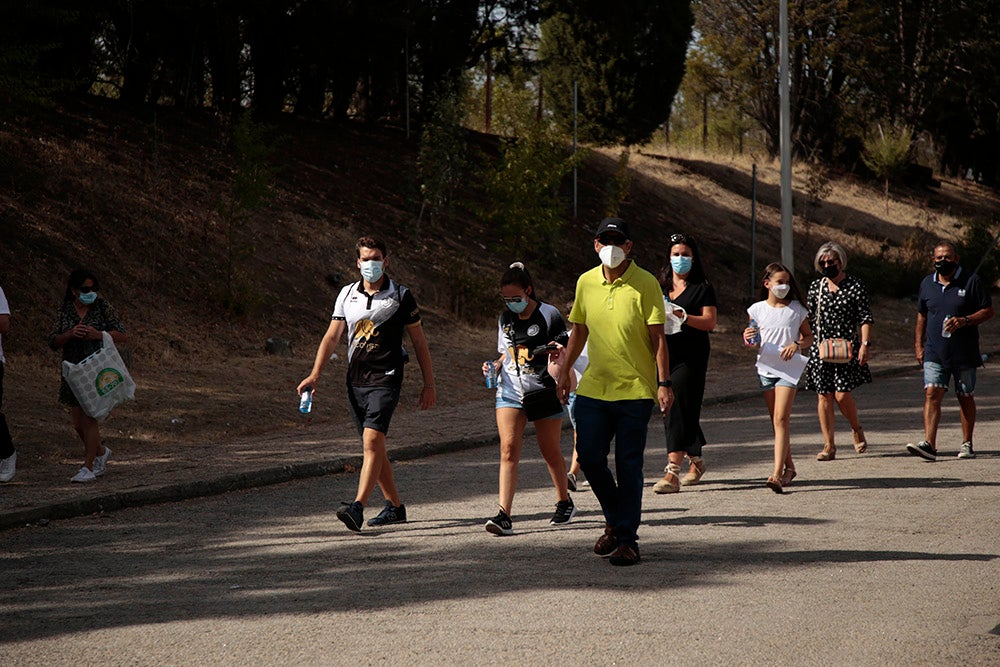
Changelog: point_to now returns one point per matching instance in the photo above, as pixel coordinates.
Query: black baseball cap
(615, 225)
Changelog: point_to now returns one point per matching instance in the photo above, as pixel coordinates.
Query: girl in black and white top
(526, 324)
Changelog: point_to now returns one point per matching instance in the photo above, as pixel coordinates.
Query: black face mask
(831, 270)
(945, 267)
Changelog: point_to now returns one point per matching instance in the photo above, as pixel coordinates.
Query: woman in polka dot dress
(838, 307)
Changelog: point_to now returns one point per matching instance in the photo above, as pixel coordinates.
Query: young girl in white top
(781, 319)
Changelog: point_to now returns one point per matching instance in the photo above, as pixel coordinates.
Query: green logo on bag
(107, 380)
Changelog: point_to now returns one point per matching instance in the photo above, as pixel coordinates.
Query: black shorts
(372, 407)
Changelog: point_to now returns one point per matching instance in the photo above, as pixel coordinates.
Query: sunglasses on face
(611, 239)
(87, 289)
(828, 262)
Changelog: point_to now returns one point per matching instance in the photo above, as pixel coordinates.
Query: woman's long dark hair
(697, 272)
(518, 275)
(778, 267)
(76, 280)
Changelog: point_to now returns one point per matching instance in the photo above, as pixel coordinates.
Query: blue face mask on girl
(518, 306)
(681, 264)
(87, 298)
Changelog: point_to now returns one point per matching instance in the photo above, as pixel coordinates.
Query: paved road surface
(874, 559)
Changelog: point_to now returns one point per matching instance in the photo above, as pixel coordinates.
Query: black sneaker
(352, 515)
(389, 514)
(922, 449)
(565, 511)
(625, 554)
(500, 524)
(571, 481)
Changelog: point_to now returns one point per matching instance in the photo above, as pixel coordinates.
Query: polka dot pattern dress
(843, 313)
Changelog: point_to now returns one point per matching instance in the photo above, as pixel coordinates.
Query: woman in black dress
(685, 285)
(838, 308)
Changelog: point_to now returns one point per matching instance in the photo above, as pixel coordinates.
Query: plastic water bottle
(491, 374)
(306, 401)
(944, 331)
(755, 339)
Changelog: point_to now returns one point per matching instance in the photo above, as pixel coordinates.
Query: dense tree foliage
(929, 64)
(627, 58)
(311, 57)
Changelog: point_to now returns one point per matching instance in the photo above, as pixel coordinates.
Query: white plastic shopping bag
(101, 381)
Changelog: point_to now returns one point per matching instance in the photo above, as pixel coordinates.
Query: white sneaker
(964, 452)
(101, 462)
(85, 475)
(7, 467)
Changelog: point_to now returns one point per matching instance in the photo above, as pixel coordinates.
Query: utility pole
(786, 141)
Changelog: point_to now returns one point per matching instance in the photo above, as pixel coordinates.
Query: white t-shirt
(778, 325)
(4, 310)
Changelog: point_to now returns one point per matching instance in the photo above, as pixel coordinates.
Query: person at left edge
(78, 332)
(375, 311)
(8, 454)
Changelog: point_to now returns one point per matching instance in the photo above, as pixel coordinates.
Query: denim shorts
(505, 400)
(767, 384)
(936, 375)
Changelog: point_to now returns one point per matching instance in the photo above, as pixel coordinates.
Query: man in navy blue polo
(951, 306)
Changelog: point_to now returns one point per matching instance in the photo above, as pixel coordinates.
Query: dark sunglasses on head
(678, 238)
(87, 289)
(611, 239)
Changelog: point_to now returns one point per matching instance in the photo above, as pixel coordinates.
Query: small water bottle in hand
(491, 374)
(306, 401)
(755, 337)
(944, 327)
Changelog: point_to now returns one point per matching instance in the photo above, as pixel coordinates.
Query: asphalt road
(873, 559)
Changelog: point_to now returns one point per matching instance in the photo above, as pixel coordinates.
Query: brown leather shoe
(626, 554)
(606, 543)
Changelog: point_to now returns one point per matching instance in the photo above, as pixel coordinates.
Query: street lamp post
(785, 130)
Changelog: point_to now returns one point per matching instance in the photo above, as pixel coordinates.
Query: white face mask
(611, 256)
(781, 291)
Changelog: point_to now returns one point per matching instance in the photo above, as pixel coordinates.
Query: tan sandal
(670, 482)
(787, 475)
(860, 445)
(829, 453)
(774, 484)
(695, 473)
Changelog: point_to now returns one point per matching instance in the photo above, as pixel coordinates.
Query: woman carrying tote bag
(79, 330)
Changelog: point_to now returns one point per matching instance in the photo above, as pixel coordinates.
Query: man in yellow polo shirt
(619, 312)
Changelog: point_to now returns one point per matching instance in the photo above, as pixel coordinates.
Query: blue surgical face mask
(517, 306)
(681, 264)
(87, 298)
(371, 270)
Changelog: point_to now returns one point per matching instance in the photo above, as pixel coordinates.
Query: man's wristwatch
(664, 383)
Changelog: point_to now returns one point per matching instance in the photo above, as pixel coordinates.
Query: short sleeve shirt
(375, 327)
(618, 316)
(962, 296)
(516, 338)
(689, 345)
(779, 326)
(100, 315)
